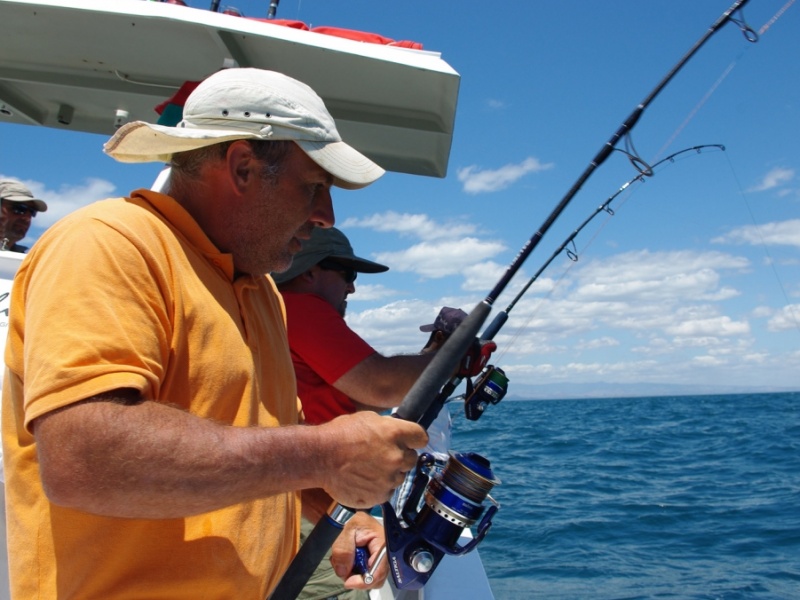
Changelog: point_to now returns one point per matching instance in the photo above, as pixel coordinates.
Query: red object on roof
(285, 23)
(350, 34)
(179, 97)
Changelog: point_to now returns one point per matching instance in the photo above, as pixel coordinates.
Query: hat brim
(360, 265)
(39, 204)
(303, 263)
(147, 142)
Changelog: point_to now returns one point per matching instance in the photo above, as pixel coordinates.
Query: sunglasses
(21, 209)
(348, 273)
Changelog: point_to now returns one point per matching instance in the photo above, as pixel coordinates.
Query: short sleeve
(321, 338)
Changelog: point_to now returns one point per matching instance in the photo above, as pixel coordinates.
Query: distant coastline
(576, 391)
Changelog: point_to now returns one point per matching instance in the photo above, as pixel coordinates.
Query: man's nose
(323, 216)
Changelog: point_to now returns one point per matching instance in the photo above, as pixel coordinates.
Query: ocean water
(668, 497)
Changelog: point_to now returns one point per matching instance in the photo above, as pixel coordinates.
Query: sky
(691, 286)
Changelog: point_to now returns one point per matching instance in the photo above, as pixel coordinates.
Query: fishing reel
(491, 388)
(428, 524)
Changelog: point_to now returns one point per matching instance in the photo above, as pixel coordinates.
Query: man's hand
(361, 530)
(369, 457)
(476, 358)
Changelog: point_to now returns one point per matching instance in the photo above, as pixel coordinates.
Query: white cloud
(478, 181)
(709, 361)
(414, 225)
(720, 325)
(483, 276)
(778, 233)
(785, 319)
(601, 342)
(368, 292)
(775, 178)
(442, 258)
(666, 276)
(394, 328)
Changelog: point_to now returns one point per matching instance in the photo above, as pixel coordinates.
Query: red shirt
(323, 349)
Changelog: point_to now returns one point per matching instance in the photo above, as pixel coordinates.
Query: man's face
(16, 218)
(334, 282)
(279, 214)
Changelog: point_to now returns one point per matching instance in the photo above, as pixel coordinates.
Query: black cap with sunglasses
(331, 250)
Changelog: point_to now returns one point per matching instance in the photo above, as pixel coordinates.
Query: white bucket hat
(249, 104)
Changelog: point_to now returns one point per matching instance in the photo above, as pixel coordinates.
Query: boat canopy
(92, 65)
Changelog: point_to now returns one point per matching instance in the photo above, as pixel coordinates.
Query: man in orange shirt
(149, 404)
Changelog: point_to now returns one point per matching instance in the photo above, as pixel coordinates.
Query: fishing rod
(413, 551)
(492, 384)
(501, 317)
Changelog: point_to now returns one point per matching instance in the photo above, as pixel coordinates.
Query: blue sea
(663, 497)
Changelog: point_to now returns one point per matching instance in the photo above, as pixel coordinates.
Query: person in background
(445, 323)
(17, 208)
(337, 371)
(150, 412)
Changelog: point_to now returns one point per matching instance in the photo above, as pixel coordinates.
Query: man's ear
(242, 165)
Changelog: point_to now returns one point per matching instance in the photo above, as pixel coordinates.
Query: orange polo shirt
(130, 293)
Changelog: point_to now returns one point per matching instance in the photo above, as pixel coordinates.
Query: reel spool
(452, 500)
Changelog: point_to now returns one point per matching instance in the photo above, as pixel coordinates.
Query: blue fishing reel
(438, 508)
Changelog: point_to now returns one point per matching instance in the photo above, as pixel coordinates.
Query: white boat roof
(87, 59)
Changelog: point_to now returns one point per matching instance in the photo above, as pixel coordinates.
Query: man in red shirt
(337, 371)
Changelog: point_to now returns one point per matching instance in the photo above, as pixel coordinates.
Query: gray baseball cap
(327, 243)
(14, 191)
(447, 320)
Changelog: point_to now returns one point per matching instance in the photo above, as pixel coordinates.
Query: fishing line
(751, 36)
(777, 16)
(791, 309)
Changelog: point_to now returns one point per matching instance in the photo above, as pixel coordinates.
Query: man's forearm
(149, 460)
(380, 382)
